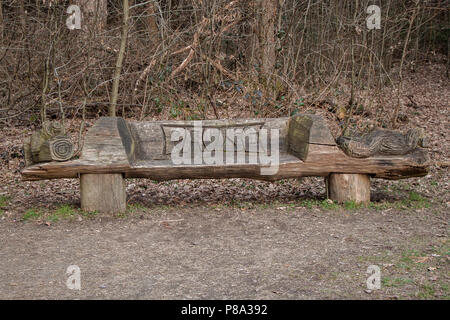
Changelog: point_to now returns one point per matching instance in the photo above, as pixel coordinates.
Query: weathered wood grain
(103, 193)
(320, 133)
(344, 187)
(306, 129)
(103, 143)
(107, 151)
(322, 161)
(47, 144)
(298, 136)
(153, 139)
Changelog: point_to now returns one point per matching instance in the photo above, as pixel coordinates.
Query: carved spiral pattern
(61, 148)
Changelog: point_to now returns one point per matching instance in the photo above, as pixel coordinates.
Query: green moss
(352, 205)
(426, 291)
(309, 203)
(89, 214)
(396, 282)
(3, 203)
(329, 205)
(415, 201)
(135, 207)
(32, 214)
(65, 211)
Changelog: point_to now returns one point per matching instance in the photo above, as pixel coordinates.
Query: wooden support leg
(103, 193)
(349, 187)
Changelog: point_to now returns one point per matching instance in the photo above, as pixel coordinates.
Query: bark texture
(349, 187)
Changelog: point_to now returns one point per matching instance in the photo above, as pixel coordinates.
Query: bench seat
(114, 145)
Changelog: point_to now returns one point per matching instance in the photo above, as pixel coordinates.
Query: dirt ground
(234, 239)
(216, 252)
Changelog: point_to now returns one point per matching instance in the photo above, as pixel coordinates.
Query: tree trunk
(22, 15)
(153, 30)
(267, 16)
(1, 20)
(103, 193)
(349, 187)
(120, 57)
(94, 14)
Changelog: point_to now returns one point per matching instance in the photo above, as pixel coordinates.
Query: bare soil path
(230, 253)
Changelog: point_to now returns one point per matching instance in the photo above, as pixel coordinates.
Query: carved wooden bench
(115, 149)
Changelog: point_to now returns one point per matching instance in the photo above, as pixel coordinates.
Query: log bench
(115, 149)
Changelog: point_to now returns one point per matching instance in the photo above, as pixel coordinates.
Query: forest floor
(236, 238)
